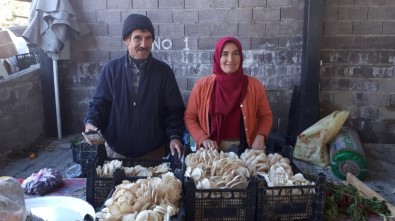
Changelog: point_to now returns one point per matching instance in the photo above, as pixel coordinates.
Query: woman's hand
(210, 144)
(259, 143)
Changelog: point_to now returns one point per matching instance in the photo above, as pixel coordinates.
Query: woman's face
(230, 58)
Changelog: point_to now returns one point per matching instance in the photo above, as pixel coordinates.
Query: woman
(228, 109)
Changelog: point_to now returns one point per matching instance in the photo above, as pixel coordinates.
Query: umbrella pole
(55, 81)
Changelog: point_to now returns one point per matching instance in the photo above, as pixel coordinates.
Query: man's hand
(259, 143)
(92, 138)
(90, 127)
(176, 145)
(210, 144)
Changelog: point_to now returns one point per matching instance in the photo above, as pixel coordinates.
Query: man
(137, 106)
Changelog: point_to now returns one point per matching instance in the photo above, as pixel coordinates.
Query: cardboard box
(3, 71)
(7, 47)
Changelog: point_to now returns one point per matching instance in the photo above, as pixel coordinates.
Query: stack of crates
(256, 202)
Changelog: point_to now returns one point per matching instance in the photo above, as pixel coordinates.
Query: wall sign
(167, 44)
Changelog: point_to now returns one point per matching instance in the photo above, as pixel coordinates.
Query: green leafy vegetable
(345, 199)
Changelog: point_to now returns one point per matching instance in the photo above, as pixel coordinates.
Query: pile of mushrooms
(108, 169)
(150, 199)
(211, 169)
(276, 170)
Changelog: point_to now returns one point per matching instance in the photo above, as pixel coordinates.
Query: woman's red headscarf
(228, 92)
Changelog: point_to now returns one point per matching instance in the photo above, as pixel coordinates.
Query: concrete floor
(51, 153)
(57, 153)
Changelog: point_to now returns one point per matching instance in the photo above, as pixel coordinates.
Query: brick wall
(357, 71)
(21, 110)
(357, 53)
(186, 32)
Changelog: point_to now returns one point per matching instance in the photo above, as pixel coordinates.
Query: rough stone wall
(358, 57)
(186, 33)
(21, 110)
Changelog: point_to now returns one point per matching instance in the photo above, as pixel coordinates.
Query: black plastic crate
(276, 141)
(277, 203)
(83, 151)
(133, 179)
(219, 204)
(274, 204)
(82, 154)
(98, 188)
(25, 60)
(119, 176)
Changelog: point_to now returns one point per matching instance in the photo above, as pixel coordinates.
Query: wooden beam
(311, 54)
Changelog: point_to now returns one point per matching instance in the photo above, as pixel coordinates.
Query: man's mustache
(142, 49)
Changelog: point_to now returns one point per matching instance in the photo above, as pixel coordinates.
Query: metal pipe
(56, 88)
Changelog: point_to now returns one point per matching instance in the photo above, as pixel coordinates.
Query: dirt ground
(14, 13)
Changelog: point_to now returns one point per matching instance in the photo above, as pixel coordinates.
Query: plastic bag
(12, 200)
(74, 171)
(347, 155)
(42, 182)
(311, 144)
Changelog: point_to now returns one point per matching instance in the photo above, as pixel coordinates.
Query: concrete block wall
(186, 33)
(357, 72)
(357, 53)
(21, 110)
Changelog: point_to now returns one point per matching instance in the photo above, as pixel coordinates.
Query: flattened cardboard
(3, 71)
(7, 47)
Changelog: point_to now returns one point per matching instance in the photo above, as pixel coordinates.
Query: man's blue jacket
(136, 124)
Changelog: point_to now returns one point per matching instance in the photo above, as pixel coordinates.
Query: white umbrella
(50, 25)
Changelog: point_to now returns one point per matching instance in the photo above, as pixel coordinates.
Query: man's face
(139, 44)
